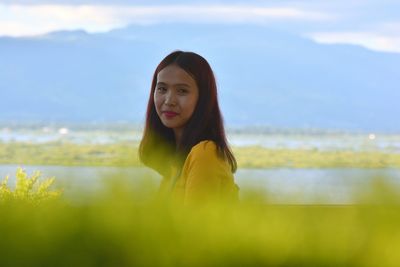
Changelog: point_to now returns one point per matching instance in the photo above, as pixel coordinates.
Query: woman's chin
(169, 124)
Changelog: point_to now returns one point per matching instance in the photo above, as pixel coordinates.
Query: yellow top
(204, 176)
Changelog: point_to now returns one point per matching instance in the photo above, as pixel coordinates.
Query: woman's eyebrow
(182, 84)
(177, 84)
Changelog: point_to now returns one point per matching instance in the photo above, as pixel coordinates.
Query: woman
(184, 138)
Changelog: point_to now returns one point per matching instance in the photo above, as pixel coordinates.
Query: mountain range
(265, 77)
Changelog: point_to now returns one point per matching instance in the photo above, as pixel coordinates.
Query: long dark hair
(158, 148)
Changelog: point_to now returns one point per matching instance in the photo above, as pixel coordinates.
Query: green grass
(121, 226)
(257, 157)
(125, 154)
(69, 154)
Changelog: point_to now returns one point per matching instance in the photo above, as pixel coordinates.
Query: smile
(169, 114)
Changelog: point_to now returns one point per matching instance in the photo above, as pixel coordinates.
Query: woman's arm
(205, 174)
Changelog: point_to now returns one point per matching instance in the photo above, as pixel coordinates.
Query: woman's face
(175, 97)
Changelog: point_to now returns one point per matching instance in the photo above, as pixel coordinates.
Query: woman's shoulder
(204, 147)
(206, 152)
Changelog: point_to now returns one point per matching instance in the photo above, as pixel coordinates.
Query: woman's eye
(161, 89)
(182, 91)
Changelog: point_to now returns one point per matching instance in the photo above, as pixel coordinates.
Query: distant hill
(265, 77)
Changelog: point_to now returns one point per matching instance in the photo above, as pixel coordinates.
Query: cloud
(39, 19)
(372, 40)
(354, 22)
(20, 20)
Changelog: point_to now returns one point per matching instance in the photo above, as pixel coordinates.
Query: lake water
(297, 186)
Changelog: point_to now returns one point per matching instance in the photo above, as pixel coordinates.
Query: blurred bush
(121, 226)
(28, 188)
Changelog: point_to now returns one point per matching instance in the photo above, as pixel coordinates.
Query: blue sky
(374, 24)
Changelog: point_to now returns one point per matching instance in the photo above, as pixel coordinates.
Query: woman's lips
(169, 114)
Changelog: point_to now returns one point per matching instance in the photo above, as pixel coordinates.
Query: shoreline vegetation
(124, 154)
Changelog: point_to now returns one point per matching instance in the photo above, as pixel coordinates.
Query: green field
(127, 225)
(125, 154)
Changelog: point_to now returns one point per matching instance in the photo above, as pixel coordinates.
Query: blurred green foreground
(124, 225)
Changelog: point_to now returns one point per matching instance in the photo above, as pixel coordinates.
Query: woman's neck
(178, 136)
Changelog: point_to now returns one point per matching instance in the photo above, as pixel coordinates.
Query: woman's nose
(170, 99)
